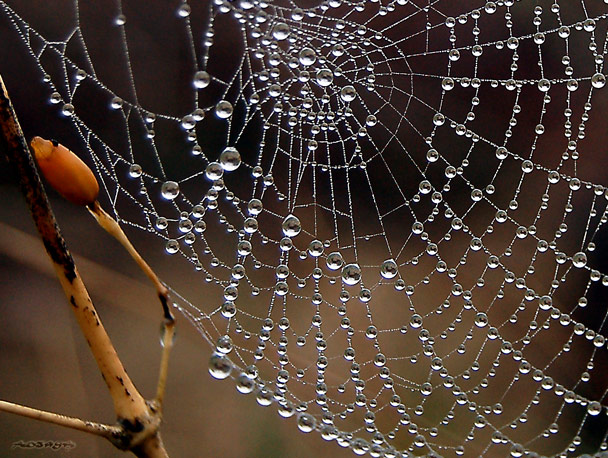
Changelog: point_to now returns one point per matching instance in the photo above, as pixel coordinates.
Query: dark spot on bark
(134, 426)
(73, 301)
(120, 380)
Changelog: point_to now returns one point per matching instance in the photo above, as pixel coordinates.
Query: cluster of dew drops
(220, 366)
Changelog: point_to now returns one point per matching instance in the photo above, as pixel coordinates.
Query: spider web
(393, 211)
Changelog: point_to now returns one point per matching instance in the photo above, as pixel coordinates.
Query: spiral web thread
(392, 211)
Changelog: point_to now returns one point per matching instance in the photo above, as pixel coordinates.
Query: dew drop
(481, 320)
(116, 103)
(579, 259)
(188, 122)
(67, 110)
(184, 10)
(219, 366)
(307, 56)
(348, 93)
(230, 159)
(214, 171)
(594, 408)
(254, 207)
(169, 190)
(172, 246)
(55, 98)
(201, 79)
(244, 384)
(121, 19)
(223, 109)
(291, 226)
(306, 422)
(324, 77)
(334, 261)
(351, 274)
(135, 171)
(598, 80)
(228, 309)
(280, 31)
(389, 269)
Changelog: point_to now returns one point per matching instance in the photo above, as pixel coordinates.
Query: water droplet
(214, 171)
(223, 109)
(291, 226)
(594, 408)
(219, 366)
(315, 248)
(598, 80)
(172, 246)
(135, 171)
(351, 274)
(224, 344)
(169, 190)
(228, 309)
(201, 79)
(116, 103)
(481, 320)
(188, 122)
(250, 225)
(280, 31)
(306, 422)
(389, 269)
(447, 84)
(426, 389)
(230, 159)
(544, 85)
(579, 259)
(244, 248)
(55, 98)
(307, 56)
(415, 321)
(184, 10)
(121, 19)
(254, 207)
(324, 77)
(244, 384)
(348, 93)
(67, 110)
(163, 331)
(334, 261)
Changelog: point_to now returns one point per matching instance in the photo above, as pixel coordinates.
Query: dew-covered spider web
(394, 211)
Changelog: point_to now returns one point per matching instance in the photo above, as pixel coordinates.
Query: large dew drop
(219, 366)
(223, 109)
(389, 269)
(169, 190)
(334, 261)
(306, 422)
(351, 274)
(280, 31)
(201, 79)
(291, 226)
(230, 159)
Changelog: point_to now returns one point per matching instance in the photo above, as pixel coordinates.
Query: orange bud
(65, 171)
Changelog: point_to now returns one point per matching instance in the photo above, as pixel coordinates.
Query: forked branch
(138, 420)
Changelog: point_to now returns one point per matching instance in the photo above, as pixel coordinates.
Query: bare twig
(114, 229)
(99, 429)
